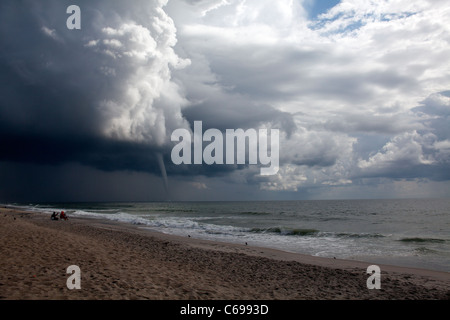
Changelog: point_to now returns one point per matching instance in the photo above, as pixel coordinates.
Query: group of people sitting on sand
(63, 216)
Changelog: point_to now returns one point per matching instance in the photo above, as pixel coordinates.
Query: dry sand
(120, 262)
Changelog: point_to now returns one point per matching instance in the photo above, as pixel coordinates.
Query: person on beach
(54, 216)
(63, 216)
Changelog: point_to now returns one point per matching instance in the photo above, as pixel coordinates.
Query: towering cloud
(109, 81)
(143, 104)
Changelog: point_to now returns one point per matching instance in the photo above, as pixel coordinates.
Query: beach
(120, 261)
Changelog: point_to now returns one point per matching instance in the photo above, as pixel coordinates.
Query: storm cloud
(359, 91)
(102, 92)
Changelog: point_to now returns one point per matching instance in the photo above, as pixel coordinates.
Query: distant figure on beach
(63, 216)
(54, 216)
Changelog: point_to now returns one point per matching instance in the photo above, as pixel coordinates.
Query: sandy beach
(123, 262)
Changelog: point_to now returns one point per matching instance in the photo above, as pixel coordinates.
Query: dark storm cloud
(95, 152)
(96, 97)
(25, 182)
(85, 95)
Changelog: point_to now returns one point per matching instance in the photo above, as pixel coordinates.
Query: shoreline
(119, 261)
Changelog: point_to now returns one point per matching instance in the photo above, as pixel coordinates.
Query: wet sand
(123, 262)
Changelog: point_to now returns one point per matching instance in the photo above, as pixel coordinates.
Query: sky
(358, 89)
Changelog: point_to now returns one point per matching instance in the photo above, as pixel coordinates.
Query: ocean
(412, 233)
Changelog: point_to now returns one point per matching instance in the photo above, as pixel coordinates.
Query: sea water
(412, 232)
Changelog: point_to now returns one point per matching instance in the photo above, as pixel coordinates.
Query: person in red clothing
(63, 216)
